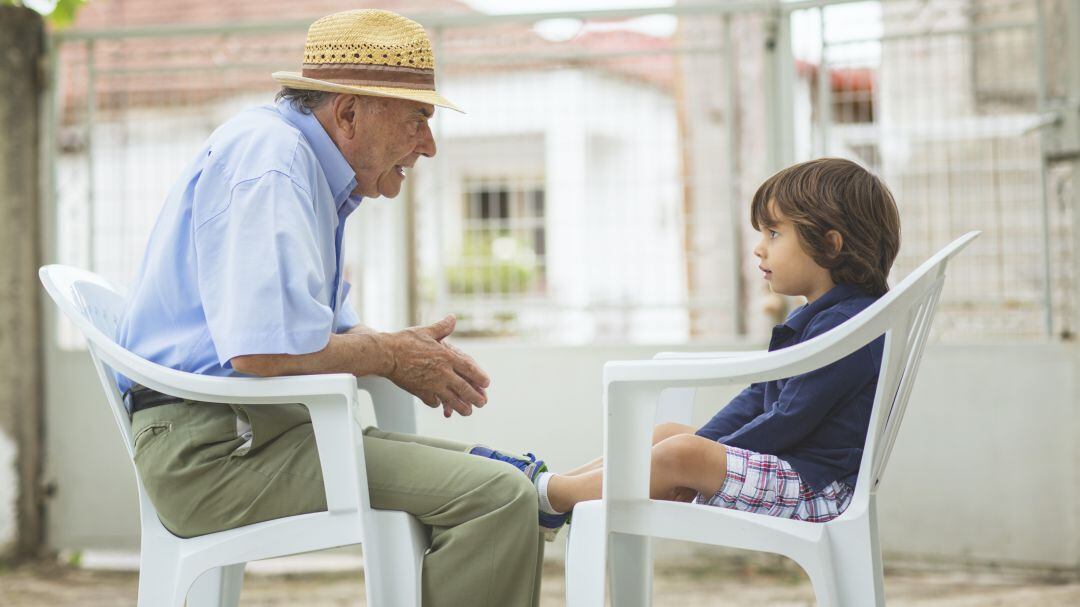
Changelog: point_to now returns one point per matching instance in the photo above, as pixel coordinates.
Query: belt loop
(126, 399)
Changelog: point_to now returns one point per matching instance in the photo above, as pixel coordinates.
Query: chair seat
(279, 537)
(707, 524)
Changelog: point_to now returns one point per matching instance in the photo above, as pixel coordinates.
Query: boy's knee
(667, 430)
(673, 452)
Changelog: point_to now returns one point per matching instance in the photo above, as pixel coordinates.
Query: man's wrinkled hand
(435, 371)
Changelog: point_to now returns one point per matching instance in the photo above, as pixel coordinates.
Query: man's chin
(391, 188)
(380, 192)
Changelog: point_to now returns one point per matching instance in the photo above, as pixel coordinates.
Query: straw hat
(368, 52)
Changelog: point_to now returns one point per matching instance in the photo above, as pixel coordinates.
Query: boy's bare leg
(660, 432)
(683, 465)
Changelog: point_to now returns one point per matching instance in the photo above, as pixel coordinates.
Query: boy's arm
(807, 399)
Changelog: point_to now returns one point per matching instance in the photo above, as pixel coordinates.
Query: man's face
(386, 137)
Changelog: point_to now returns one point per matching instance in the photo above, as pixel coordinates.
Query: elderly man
(243, 275)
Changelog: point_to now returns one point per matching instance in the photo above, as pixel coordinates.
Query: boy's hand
(683, 494)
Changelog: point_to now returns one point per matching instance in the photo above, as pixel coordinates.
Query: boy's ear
(836, 242)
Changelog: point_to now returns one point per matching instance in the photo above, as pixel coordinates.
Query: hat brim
(296, 81)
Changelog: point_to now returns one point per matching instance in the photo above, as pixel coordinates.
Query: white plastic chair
(842, 557)
(212, 566)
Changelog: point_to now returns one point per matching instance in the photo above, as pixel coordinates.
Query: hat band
(362, 74)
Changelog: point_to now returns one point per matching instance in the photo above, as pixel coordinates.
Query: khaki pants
(210, 467)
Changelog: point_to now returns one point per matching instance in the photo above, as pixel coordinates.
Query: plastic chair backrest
(914, 300)
(95, 307)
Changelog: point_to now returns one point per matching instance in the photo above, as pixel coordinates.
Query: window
(852, 95)
(503, 240)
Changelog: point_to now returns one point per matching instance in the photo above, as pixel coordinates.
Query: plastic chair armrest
(706, 355)
(752, 366)
(395, 410)
(341, 449)
(207, 388)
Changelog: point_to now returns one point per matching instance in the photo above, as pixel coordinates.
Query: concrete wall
(984, 470)
(985, 467)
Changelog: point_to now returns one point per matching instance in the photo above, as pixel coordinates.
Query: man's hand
(417, 359)
(436, 372)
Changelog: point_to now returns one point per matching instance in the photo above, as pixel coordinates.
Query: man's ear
(346, 109)
(836, 242)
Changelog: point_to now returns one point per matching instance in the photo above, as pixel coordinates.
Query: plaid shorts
(766, 484)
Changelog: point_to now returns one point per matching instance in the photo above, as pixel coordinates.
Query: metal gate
(598, 189)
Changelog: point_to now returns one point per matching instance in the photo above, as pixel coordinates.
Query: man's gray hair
(304, 100)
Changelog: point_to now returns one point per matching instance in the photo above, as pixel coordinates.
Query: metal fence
(951, 125)
(598, 189)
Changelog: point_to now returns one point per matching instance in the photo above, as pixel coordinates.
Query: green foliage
(62, 15)
(481, 272)
(498, 278)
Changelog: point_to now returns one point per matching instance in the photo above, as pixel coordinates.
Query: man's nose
(427, 143)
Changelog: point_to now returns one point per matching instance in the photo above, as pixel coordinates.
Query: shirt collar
(799, 318)
(349, 205)
(339, 175)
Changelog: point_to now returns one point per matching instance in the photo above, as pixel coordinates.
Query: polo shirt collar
(339, 175)
(799, 318)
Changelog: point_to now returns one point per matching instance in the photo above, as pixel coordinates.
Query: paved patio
(705, 583)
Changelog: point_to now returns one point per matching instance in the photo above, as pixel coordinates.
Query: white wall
(984, 470)
(986, 464)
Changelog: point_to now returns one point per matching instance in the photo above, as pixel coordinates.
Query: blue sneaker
(531, 466)
(551, 523)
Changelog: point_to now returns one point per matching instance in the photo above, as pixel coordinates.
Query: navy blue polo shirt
(817, 421)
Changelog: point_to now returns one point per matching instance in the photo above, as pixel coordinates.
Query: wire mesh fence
(942, 103)
(598, 188)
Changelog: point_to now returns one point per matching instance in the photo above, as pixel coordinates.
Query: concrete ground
(718, 582)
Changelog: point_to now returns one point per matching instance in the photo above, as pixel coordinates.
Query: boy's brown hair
(835, 194)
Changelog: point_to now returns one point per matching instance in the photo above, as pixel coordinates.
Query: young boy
(830, 231)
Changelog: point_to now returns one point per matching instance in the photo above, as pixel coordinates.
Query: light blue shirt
(245, 257)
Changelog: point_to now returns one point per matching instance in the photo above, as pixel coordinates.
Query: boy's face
(784, 263)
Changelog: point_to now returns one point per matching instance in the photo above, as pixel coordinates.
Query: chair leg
(857, 569)
(631, 570)
(218, 587)
(159, 574)
(822, 575)
(586, 549)
(394, 547)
